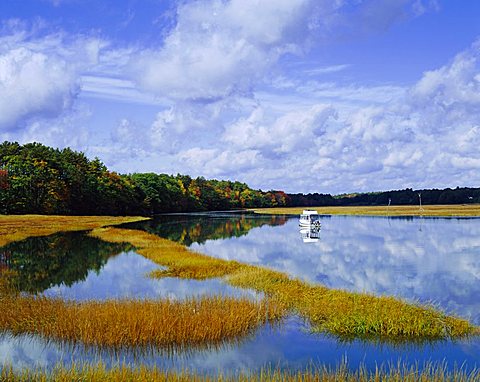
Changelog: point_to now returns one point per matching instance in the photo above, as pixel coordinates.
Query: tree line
(37, 179)
(408, 196)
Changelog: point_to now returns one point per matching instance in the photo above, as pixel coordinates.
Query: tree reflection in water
(39, 263)
(198, 228)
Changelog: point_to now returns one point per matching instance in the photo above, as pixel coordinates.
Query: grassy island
(196, 322)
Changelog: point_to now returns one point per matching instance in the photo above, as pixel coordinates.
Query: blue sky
(301, 95)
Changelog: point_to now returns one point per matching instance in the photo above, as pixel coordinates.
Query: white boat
(309, 218)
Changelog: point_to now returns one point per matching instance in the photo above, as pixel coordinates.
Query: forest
(37, 179)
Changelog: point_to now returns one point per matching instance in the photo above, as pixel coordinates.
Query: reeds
(196, 322)
(163, 324)
(338, 312)
(413, 210)
(317, 373)
(166, 323)
(179, 260)
(349, 314)
(19, 227)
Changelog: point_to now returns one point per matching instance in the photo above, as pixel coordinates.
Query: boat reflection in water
(310, 235)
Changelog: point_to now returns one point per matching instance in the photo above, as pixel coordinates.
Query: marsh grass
(349, 314)
(437, 372)
(338, 312)
(179, 260)
(426, 210)
(194, 322)
(209, 320)
(19, 227)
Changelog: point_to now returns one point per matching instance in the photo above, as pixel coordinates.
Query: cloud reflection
(126, 276)
(425, 259)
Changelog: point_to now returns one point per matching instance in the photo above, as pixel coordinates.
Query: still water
(430, 260)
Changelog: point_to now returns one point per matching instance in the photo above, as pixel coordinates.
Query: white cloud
(127, 131)
(296, 142)
(295, 130)
(228, 105)
(116, 89)
(450, 96)
(466, 163)
(214, 162)
(39, 77)
(33, 84)
(425, 136)
(326, 69)
(220, 48)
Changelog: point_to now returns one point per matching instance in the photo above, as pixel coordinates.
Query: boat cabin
(309, 218)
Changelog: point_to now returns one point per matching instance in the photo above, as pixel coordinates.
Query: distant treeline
(36, 179)
(459, 195)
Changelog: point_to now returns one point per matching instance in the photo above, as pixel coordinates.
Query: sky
(330, 96)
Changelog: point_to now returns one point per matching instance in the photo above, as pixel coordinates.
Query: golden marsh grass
(19, 227)
(118, 323)
(349, 314)
(194, 322)
(96, 373)
(179, 260)
(427, 210)
(334, 311)
(132, 322)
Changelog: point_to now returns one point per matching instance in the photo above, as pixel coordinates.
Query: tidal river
(427, 260)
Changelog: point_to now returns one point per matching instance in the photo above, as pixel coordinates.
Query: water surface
(418, 259)
(431, 260)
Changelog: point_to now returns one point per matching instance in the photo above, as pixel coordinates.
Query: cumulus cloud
(424, 136)
(295, 130)
(39, 77)
(223, 48)
(427, 137)
(218, 48)
(226, 104)
(450, 96)
(130, 136)
(217, 162)
(33, 84)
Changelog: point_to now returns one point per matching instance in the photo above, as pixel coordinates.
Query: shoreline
(437, 210)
